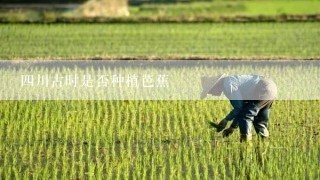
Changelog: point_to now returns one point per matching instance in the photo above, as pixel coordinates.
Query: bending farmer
(251, 97)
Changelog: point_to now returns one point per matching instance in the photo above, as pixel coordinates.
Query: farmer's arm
(237, 105)
(231, 90)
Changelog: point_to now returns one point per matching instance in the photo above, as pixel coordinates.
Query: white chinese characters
(99, 81)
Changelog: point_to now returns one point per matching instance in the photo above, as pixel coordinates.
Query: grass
(151, 140)
(175, 41)
(229, 8)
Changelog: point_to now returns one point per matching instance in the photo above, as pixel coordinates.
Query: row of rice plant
(84, 41)
(151, 140)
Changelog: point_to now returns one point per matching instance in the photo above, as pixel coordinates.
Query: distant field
(229, 8)
(195, 11)
(206, 40)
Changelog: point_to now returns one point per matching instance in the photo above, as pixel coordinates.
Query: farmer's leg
(247, 116)
(245, 119)
(260, 122)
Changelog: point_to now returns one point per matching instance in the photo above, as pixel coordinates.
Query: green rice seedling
(228, 40)
(152, 139)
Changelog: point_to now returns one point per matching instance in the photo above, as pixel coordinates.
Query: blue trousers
(254, 113)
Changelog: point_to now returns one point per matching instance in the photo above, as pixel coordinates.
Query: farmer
(251, 97)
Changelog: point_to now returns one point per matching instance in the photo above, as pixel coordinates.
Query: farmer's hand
(228, 132)
(222, 124)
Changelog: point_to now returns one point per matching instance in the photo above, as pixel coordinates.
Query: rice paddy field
(155, 139)
(162, 41)
(152, 140)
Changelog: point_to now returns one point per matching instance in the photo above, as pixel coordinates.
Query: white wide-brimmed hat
(208, 82)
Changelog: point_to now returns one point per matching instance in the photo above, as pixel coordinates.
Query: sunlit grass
(151, 139)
